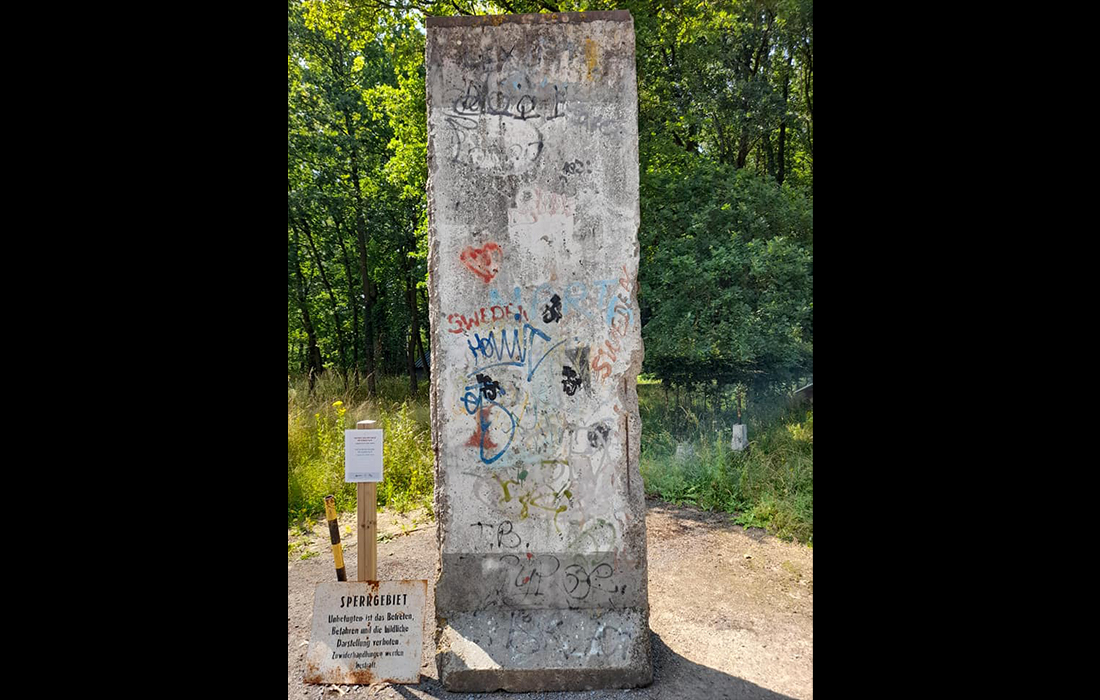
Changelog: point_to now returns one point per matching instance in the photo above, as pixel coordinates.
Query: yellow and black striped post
(334, 535)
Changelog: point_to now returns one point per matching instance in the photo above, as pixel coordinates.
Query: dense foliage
(726, 148)
(727, 278)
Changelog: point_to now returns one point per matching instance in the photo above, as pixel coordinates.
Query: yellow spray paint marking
(523, 410)
(504, 485)
(530, 499)
(590, 55)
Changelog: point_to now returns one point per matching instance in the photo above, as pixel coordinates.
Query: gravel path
(731, 610)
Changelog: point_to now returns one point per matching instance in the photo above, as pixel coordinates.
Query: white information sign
(367, 632)
(362, 455)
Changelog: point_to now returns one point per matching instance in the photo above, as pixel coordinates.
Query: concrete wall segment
(535, 329)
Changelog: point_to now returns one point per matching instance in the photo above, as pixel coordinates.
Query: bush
(726, 278)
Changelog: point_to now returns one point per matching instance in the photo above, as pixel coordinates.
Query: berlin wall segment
(536, 345)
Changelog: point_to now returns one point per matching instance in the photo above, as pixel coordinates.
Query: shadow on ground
(691, 519)
(674, 677)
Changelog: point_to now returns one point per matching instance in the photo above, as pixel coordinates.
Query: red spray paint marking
(475, 439)
(484, 261)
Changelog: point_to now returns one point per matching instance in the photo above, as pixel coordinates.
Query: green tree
(340, 55)
(726, 148)
(727, 278)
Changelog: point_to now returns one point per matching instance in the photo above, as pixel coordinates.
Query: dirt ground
(731, 610)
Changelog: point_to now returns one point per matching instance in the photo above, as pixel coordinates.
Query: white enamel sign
(367, 632)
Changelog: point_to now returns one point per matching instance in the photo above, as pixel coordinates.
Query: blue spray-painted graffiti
(573, 297)
(526, 348)
(518, 350)
(487, 391)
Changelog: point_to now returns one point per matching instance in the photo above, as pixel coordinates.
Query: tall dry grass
(315, 444)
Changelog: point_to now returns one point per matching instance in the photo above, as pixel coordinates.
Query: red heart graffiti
(483, 262)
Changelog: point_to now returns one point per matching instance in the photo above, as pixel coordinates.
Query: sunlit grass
(687, 458)
(315, 445)
(686, 454)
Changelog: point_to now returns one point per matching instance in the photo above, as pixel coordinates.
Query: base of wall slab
(544, 650)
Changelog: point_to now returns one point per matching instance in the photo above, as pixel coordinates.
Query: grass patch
(687, 458)
(686, 454)
(315, 446)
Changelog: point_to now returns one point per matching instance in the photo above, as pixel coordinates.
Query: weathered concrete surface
(536, 345)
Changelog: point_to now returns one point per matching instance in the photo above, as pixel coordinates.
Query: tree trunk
(420, 346)
(315, 363)
(354, 305)
(743, 148)
(362, 238)
(414, 330)
(410, 362)
(783, 121)
(723, 148)
(379, 355)
(807, 93)
(332, 300)
(747, 139)
(769, 155)
(364, 277)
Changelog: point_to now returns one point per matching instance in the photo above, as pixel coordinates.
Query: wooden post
(367, 509)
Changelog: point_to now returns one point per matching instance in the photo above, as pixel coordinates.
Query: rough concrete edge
(636, 492)
(637, 672)
(629, 391)
(432, 22)
(439, 501)
(513, 681)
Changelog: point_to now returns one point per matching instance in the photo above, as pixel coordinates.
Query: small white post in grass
(740, 437)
